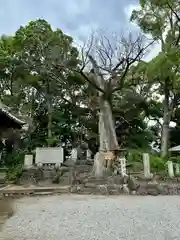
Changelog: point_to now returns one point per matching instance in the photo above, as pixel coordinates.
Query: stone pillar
(177, 169)
(72, 161)
(88, 154)
(74, 155)
(146, 163)
(123, 166)
(99, 164)
(28, 161)
(170, 169)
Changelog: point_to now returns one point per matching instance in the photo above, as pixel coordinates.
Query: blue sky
(77, 18)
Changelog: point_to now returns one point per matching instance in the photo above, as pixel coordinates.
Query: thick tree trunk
(112, 142)
(107, 128)
(107, 136)
(166, 122)
(103, 144)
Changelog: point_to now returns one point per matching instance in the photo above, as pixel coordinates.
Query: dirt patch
(6, 211)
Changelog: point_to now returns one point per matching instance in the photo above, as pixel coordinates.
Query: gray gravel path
(101, 218)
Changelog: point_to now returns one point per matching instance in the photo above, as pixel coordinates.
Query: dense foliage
(41, 79)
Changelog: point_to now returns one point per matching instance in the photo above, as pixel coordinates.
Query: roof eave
(17, 120)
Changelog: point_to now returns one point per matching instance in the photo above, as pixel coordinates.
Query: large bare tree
(108, 63)
(105, 65)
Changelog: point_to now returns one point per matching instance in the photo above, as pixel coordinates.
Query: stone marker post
(99, 164)
(146, 162)
(28, 161)
(88, 154)
(74, 155)
(177, 169)
(170, 169)
(73, 159)
(123, 166)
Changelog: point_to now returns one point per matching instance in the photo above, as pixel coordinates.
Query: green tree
(161, 20)
(65, 102)
(12, 90)
(42, 51)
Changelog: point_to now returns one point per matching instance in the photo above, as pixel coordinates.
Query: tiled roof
(4, 109)
(175, 149)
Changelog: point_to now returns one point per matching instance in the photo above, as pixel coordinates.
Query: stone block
(170, 169)
(103, 189)
(146, 162)
(28, 161)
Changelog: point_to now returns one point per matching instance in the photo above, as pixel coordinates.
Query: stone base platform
(96, 189)
(19, 191)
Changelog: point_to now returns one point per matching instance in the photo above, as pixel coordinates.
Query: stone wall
(115, 189)
(119, 186)
(93, 189)
(35, 175)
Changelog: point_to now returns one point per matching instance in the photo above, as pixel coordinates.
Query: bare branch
(89, 81)
(111, 59)
(85, 53)
(173, 11)
(129, 61)
(85, 59)
(105, 52)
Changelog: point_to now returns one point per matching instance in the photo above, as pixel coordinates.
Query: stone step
(43, 193)
(2, 177)
(89, 191)
(83, 169)
(97, 180)
(64, 182)
(2, 181)
(84, 162)
(34, 191)
(90, 185)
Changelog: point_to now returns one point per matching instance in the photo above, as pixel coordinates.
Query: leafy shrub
(135, 159)
(51, 141)
(175, 159)
(135, 156)
(157, 164)
(14, 158)
(177, 175)
(14, 173)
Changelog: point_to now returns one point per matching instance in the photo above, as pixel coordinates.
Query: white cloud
(75, 17)
(77, 7)
(153, 52)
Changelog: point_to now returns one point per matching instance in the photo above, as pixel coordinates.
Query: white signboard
(49, 155)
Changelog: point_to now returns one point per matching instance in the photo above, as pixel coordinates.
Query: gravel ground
(101, 218)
